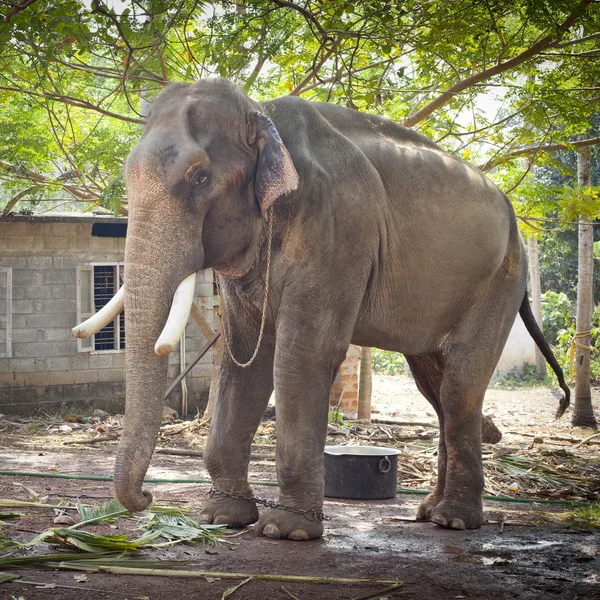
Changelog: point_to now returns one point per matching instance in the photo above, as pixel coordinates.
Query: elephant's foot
(234, 512)
(280, 524)
(428, 505)
(458, 514)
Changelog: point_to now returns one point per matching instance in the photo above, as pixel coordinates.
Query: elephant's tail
(538, 337)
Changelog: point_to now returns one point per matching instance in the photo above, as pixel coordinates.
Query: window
(96, 285)
(5, 312)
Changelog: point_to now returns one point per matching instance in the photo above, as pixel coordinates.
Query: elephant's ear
(275, 171)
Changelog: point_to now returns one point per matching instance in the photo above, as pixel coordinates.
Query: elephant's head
(199, 184)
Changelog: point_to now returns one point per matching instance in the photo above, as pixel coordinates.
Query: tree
(583, 414)
(82, 70)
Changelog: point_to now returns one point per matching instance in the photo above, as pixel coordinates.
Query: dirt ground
(526, 551)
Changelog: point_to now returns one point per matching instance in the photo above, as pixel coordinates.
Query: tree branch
(11, 203)
(335, 78)
(305, 13)
(314, 70)
(16, 9)
(75, 102)
(541, 148)
(593, 36)
(541, 45)
(29, 175)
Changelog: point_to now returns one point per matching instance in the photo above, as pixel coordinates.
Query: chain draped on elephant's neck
(264, 308)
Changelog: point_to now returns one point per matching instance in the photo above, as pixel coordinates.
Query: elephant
(326, 226)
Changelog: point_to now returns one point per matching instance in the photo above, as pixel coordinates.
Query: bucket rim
(361, 451)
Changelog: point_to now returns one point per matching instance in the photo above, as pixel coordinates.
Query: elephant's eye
(201, 180)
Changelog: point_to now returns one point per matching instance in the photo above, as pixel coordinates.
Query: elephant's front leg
(303, 379)
(242, 397)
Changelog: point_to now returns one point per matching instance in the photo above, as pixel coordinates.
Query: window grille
(97, 284)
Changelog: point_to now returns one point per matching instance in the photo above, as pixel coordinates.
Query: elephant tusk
(103, 317)
(178, 316)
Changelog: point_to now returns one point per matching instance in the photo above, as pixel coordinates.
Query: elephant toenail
(222, 520)
(204, 519)
(457, 524)
(298, 535)
(271, 531)
(440, 520)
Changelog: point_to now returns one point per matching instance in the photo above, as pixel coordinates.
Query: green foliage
(113, 194)
(516, 381)
(588, 516)
(105, 513)
(558, 262)
(557, 315)
(73, 75)
(336, 417)
(91, 542)
(174, 526)
(386, 362)
(559, 329)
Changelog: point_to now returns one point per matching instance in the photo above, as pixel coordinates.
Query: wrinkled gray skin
(387, 242)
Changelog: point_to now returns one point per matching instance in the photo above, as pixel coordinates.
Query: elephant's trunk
(159, 255)
(148, 293)
(146, 376)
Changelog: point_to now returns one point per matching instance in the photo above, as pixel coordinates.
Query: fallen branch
(229, 591)
(215, 574)
(586, 440)
(292, 596)
(41, 585)
(406, 423)
(10, 503)
(558, 438)
(379, 593)
(200, 453)
(174, 451)
(101, 438)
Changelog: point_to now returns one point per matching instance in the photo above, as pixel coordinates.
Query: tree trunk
(583, 414)
(536, 301)
(365, 385)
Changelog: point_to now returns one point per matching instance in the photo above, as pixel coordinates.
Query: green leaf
(106, 513)
(175, 526)
(229, 591)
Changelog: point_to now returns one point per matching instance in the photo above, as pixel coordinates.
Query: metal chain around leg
(264, 310)
(311, 514)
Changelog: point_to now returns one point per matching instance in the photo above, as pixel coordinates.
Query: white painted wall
(519, 349)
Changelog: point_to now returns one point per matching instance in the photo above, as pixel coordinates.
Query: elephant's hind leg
(428, 371)
(471, 355)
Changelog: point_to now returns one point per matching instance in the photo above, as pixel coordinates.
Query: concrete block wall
(46, 370)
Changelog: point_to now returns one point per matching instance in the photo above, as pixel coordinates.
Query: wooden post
(365, 384)
(207, 331)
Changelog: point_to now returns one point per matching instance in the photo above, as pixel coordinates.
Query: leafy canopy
(491, 81)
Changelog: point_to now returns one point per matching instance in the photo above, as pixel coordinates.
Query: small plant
(70, 414)
(386, 362)
(34, 427)
(336, 417)
(588, 516)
